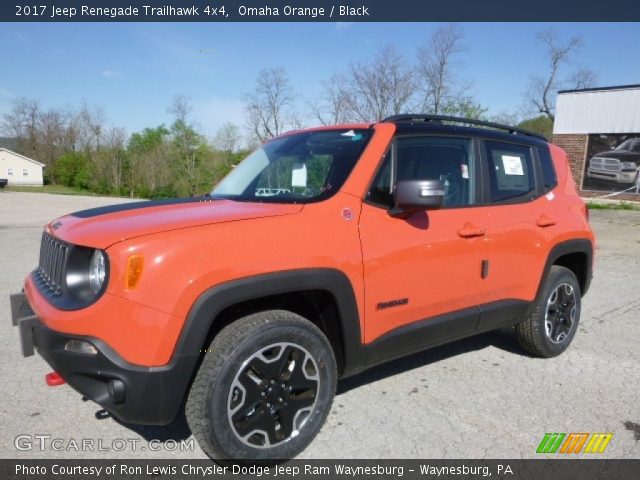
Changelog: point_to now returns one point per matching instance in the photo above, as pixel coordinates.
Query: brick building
(599, 128)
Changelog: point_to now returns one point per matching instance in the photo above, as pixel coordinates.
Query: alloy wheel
(272, 395)
(561, 313)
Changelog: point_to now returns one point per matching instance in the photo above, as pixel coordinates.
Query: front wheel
(263, 390)
(551, 327)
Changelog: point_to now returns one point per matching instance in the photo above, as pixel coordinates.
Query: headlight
(97, 271)
(629, 166)
(87, 273)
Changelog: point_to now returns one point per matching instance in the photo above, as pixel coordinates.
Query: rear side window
(511, 173)
(549, 178)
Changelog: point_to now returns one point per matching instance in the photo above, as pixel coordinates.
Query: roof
(21, 156)
(602, 89)
(442, 124)
(598, 111)
(412, 123)
(462, 130)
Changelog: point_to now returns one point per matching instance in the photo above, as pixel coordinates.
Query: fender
(154, 395)
(578, 245)
(213, 301)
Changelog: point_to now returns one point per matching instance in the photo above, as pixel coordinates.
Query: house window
(10, 172)
(25, 172)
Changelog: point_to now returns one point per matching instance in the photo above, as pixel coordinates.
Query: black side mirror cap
(412, 196)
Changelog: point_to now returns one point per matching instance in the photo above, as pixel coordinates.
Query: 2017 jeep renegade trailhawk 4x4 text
(325, 252)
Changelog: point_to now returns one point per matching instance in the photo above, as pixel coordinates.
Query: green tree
(463, 107)
(72, 170)
(148, 165)
(188, 154)
(189, 149)
(541, 124)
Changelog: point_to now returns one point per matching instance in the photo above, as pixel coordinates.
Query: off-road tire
(533, 334)
(208, 407)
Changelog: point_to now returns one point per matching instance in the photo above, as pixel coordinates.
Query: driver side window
(427, 158)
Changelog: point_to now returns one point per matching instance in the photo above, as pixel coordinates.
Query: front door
(427, 267)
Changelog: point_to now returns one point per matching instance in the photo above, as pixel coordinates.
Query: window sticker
(512, 165)
(299, 175)
(354, 136)
(465, 170)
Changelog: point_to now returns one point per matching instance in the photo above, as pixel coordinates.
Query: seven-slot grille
(53, 258)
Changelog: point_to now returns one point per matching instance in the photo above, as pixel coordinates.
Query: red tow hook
(54, 379)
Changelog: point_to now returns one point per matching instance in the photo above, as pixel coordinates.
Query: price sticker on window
(512, 165)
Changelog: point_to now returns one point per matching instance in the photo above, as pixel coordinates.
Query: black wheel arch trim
(578, 245)
(215, 300)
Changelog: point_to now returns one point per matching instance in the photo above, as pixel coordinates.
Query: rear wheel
(551, 327)
(264, 388)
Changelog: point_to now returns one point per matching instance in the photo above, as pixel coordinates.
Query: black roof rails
(440, 119)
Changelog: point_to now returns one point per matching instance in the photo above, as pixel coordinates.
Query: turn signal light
(135, 265)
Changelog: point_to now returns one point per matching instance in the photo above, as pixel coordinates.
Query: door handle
(469, 230)
(545, 221)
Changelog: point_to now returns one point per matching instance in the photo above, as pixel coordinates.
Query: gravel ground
(476, 398)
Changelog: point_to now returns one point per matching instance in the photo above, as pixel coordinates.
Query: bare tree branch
(583, 78)
(180, 108)
(375, 90)
(227, 138)
(269, 105)
(435, 71)
(333, 106)
(542, 90)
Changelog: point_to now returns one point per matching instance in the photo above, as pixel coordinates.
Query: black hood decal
(123, 207)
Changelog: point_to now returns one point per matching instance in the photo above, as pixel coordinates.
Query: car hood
(622, 155)
(104, 226)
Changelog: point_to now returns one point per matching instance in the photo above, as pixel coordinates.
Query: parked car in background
(619, 165)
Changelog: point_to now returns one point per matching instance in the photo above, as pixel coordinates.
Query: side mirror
(411, 196)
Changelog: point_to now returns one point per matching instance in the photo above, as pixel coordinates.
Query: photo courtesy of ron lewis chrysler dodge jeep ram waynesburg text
(325, 252)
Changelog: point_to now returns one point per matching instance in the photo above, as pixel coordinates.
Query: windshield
(296, 168)
(626, 145)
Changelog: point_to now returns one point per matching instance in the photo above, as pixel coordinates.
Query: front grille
(609, 164)
(53, 259)
(612, 164)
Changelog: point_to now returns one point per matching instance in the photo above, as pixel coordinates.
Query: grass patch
(612, 206)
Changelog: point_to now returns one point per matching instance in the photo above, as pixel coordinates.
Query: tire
(272, 373)
(549, 330)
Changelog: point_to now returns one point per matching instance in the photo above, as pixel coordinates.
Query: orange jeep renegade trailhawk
(325, 252)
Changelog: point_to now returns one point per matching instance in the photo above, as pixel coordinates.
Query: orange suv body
(389, 238)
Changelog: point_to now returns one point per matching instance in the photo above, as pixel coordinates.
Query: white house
(20, 170)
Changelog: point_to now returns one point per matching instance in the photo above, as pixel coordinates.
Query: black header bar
(179, 469)
(319, 11)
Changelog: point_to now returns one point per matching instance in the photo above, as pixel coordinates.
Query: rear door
(520, 207)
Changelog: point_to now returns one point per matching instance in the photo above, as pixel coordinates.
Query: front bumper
(625, 177)
(132, 393)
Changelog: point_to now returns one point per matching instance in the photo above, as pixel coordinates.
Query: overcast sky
(133, 70)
